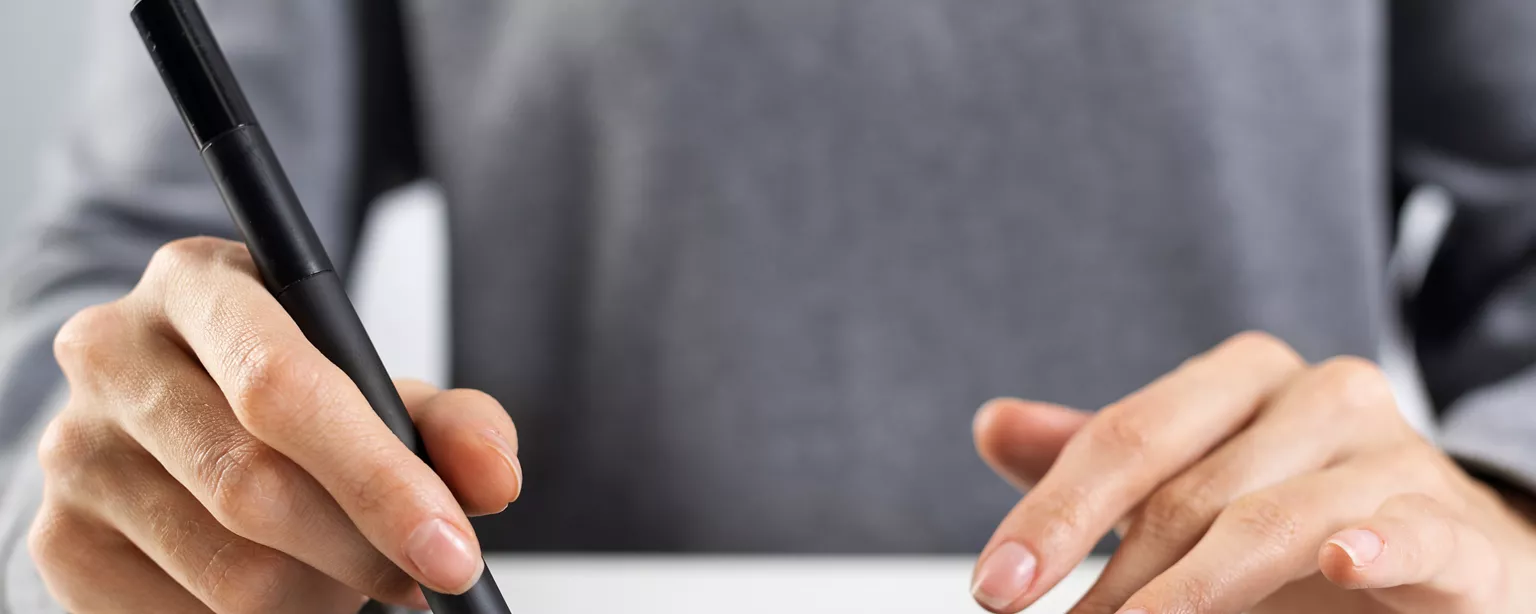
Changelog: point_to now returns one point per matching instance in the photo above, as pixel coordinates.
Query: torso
(742, 270)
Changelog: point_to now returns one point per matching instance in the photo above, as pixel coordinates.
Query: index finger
(288, 395)
(1119, 458)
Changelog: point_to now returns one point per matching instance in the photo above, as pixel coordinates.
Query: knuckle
(173, 259)
(381, 487)
(1062, 515)
(188, 252)
(68, 448)
(53, 537)
(1178, 514)
(234, 256)
(194, 256)
(1264, 346)
(1266, 521)
(273, 388)
(57, 449)
(1357, 383)
(1198, 594)
(66, 549)
(84, 344)
(1119, 435)
(57, 544)
(241, 577)
(159, 399)
(249, 492)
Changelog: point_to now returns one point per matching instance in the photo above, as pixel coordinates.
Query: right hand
(210, 458)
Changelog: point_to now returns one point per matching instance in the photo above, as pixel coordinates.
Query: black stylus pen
(284, 245)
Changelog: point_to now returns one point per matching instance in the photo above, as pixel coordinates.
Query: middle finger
(1128, 449)
(1270, 538)
(179, 416)
(130, 492)
(1342, 406)
(292, 398)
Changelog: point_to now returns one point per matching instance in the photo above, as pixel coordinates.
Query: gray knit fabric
(742, 269)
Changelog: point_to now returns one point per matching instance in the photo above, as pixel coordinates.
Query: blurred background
(40, 52)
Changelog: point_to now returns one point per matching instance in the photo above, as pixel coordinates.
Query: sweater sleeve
(126, 179)
(1463, 94)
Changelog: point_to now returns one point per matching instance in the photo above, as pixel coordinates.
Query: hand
(1247, 480)
(210, 458)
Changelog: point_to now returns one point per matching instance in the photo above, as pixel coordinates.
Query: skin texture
(1247, 480)
(197, 460)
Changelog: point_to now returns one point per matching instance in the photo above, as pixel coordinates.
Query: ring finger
(1119, 457)
(1270, 538)
(1336, 408)
(179, 416)
(135, 496)
(78, 547)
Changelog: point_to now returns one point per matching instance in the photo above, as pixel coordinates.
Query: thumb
(1416, 556)
(1020, 439)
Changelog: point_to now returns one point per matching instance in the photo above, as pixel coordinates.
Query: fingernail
(443, 556)
(505, 450)
(1004, 576)
(1360, 545)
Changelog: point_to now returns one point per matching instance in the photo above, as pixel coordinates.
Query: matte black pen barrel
(298, 273)
(259, 196)
(319, 305)
(265, 209)
(293, 264)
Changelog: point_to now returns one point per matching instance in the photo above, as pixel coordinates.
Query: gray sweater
(743, 269)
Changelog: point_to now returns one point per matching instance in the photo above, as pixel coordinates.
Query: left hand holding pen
(1249, 481)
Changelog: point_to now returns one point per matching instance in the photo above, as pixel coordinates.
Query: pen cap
(195, 71)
